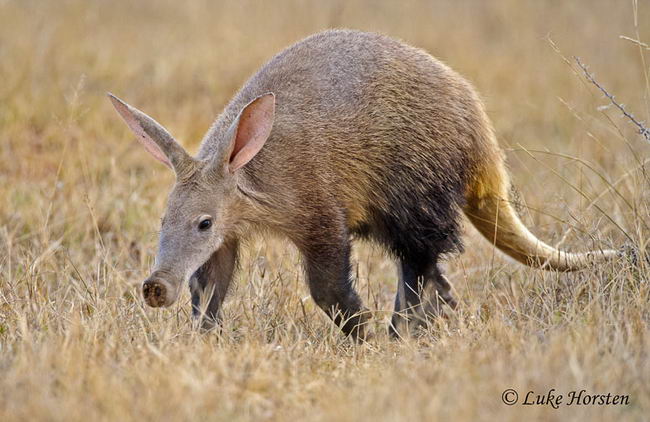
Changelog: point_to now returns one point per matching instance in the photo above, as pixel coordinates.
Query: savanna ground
(81, 202)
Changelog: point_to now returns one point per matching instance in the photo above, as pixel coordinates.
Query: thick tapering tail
(488, 208)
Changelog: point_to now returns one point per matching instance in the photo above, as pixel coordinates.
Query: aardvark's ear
(250, 130)
(152, 136)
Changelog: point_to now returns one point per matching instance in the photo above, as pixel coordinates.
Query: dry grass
(81, 203)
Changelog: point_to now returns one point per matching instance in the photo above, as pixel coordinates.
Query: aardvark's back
(371, 125)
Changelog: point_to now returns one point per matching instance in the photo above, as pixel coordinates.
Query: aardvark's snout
(157, 291)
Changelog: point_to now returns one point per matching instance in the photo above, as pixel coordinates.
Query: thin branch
(637, 42)
(643, 130)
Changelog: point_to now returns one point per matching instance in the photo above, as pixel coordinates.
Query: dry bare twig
(643, 130)
(637, 42)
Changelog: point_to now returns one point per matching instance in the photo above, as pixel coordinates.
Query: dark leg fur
(326, 253)
(210, 283)
(416, 281)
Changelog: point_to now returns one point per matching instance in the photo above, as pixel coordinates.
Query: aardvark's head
(201, 209)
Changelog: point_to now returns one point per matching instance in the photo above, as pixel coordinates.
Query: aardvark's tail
(488, 208)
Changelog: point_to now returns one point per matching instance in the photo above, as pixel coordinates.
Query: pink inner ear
(139, 132)
(253, 129)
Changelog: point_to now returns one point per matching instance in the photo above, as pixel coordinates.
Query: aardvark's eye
(205, 224)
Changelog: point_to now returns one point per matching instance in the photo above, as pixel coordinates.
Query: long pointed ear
(250, 130)
(153, 136)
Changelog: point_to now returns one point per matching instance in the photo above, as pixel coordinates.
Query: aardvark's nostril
(155, 293)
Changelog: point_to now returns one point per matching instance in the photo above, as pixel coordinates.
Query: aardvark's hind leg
(421, 293)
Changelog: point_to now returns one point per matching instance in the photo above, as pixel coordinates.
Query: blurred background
(81, 202)
(181, 62)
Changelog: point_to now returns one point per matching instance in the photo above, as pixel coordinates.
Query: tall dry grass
(81, 203)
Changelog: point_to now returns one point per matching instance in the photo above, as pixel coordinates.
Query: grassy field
(81, 203)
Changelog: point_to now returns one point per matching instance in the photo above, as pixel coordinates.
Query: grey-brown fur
(371, 138)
